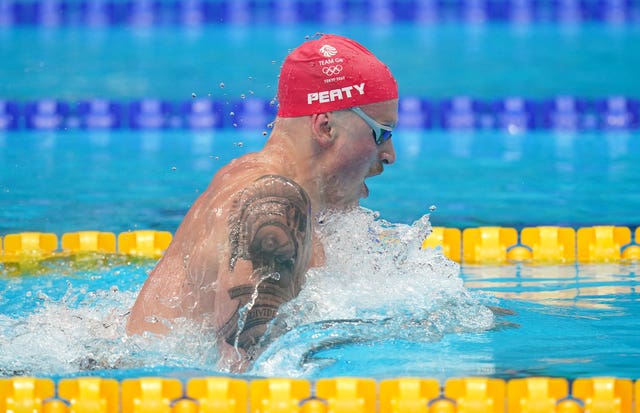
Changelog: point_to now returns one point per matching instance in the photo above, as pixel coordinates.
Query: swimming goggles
(381, 133)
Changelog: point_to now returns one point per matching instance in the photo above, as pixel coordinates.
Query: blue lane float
(100, 114)
(45, 114)
(512, 114)
(150, 114)
(199, 12)
(461, 113)
(9, 115)
(202, 114)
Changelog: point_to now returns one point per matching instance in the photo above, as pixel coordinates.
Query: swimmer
(245, 245)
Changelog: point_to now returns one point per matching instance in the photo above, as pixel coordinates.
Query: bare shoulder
(269, 222)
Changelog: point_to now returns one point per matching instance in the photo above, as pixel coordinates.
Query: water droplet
(193, 94)
(221, 85)
(432, 208)
(270, 125)
(232, 114)
(242, 96)
(264, 133)
(173, 168)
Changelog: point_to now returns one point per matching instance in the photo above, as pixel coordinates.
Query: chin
(348, 199)
(345, 205)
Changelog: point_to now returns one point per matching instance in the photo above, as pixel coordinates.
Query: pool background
(119, 180)
(116, 181)
(429, 60)
(589, 173)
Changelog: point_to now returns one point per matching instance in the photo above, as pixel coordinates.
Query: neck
(293, 152)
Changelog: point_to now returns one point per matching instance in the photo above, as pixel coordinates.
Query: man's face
(357, 156)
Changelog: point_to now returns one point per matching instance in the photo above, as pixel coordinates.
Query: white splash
(378, 283)
(84, 331)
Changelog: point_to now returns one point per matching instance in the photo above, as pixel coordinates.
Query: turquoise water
(76, 308)
(430, 61)
(67, 181)
(65, 317)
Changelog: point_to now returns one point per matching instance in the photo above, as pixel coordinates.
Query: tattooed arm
(269, 229)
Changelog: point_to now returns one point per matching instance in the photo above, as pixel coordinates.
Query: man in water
(246, 243)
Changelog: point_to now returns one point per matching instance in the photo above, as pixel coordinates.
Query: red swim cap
(332, 73)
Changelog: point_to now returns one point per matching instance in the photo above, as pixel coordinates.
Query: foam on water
(57, 340)
(62, 336)
(81, 329)
(377, 284)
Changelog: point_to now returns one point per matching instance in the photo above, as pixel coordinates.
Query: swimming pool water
(123, 180)
(65, 317)
(431, 61)
(570, 321)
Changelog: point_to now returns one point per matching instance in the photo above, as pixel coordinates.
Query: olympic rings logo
(332, 70)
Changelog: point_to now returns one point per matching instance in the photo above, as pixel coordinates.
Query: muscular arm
(269, 228)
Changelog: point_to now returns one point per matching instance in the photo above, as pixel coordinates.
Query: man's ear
(321, 128)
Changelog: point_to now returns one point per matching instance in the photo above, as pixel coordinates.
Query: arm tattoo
(270, 226)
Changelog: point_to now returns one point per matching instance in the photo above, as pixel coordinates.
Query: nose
(387, 153)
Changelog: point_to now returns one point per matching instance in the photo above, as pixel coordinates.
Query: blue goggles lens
(381, 133)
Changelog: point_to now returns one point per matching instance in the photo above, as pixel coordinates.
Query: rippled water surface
(381, 307)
